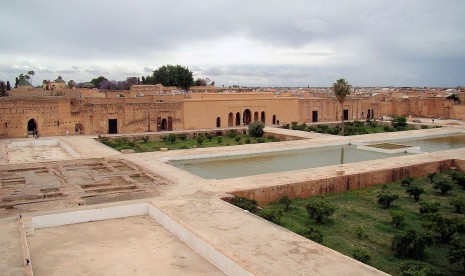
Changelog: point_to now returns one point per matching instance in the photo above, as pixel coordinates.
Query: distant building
(58, 84)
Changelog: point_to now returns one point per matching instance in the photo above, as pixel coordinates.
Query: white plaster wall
(60, 219)
(33, 143)
(212, 255)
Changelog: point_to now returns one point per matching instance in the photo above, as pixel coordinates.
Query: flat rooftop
(125, 246)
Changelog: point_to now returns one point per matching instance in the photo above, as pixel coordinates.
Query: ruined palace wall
(52, 116)
(341, 183)
(458, 111)
(132, 116)
(203, 113)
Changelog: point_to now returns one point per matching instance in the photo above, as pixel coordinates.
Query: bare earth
(127, 246)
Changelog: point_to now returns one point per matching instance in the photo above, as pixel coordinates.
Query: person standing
(67, 133)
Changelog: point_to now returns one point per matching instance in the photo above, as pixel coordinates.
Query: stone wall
(342, 183)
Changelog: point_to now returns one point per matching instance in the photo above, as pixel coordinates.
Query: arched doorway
(255, 116)
(164, 124)
(247, 117)
(230, 119)
(274, 119)
(262, 117)
(31, 125)
(238, 119)
(218, 122)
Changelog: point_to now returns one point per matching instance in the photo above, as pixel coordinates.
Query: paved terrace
(258, 246)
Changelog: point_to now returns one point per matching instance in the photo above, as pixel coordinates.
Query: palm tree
(32, 73)
(341, 89)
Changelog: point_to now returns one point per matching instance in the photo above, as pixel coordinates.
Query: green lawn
(358, 212)
(140, 146)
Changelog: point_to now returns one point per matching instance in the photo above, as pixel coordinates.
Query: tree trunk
(342, 119)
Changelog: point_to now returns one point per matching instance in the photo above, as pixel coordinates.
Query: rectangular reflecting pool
(288, 160)
(246, 165)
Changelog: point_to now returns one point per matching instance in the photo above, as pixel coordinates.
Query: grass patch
(361, 225)
(149, 146)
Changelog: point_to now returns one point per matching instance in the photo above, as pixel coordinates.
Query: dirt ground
(127, 246)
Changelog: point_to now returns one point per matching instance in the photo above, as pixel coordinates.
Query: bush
(319, 209)
(286, 201)
(431, 176)
(182, 136)
(247, 141)
(237, 138)
(260, 140)
(164, 138)
(424, 126)
(361, 255)
(256, 129)
(459, 204)
(232, 133)
(271, 215)
(416, 268)
(361, 232)
(200, 139)
(219, 139)
(314, 234)
(429, 207)
(250, 205)
(183, 147)
(171, 138)
(397, 217)
(145, 139)
(399, 122)
(209, 136)
(386, 199)
(457, 252)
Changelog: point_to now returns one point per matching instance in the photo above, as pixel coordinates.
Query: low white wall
(69, 150)
(60, 219)
(212, 255)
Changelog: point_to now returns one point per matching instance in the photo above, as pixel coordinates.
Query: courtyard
(251, 245)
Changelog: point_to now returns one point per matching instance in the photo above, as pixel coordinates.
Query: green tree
(431, 176)
(318, 209)
(31, 73)
(200, 139)
(97, 81)
(410, 244)
(8, 86)
(397, 217)
(415, 191)
(454, 97)
(445, 227)
(429, 207)
(2, 89)
(406, 181)
(386, 199)
(256, 129)
(341, 89)
(169, 75)
(443, 184)
(457, 253)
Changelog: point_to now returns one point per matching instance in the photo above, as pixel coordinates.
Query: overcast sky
(251, 43)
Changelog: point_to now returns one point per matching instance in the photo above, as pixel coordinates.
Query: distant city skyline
(295, 43)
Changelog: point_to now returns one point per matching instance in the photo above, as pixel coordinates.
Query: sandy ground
(10, 248)
(33, 154)
(127, 246)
